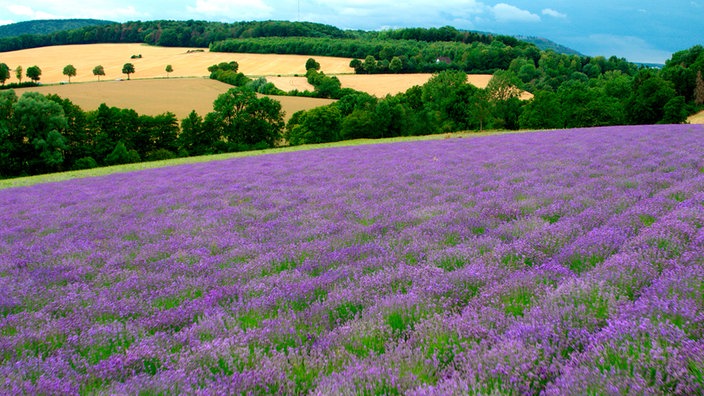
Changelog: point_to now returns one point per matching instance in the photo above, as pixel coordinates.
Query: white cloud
(232, 9)
(72, 9)
(507, 13)
(28, 12)
(20, 10)
(553, 13)
(375, 14)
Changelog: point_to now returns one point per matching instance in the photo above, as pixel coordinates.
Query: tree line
(448, 103)
(202, 34)
(411, 56)
(46, 133)
(34, 73)
(172, 33)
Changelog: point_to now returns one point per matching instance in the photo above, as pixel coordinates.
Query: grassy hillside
(48, 26)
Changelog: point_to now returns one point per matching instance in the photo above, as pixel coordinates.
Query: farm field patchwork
(150, 92)
(158, 96)
(561, 262)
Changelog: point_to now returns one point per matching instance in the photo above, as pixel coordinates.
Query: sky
(638, 30)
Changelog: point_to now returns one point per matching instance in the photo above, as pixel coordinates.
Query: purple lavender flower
(563, 262)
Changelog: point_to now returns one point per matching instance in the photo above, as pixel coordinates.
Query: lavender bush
(564, 262)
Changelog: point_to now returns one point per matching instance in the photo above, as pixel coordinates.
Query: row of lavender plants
(562, 262)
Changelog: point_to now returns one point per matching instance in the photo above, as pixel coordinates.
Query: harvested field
(697, 118)
(379, 85)
(382, 84)
(51, 60)
(290, 83)
(153, 97)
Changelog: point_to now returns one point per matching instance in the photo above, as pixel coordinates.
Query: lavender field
(562, 262)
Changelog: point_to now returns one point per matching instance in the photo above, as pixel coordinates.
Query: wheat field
(157, 96)
(696, 118)
(152, 64)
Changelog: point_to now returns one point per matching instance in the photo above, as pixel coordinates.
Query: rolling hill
(48, 26)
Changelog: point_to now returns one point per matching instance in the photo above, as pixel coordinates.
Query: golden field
(157, 96)
(696, 118)
(51, 60)
(378, 85)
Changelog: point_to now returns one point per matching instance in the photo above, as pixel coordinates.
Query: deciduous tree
(357, 65)
(246, 121)
(544, 111)
(51, 150)
(120, 155)
(34, 73)
(9, 140)
(168, 69)
(37, 127)
(370, 64)
(99, 71)
(128, 69)
(447, 97)
(18, 73)
(396, 65)
(650, 95)
(675, 111)
(197, 138)
(503, 86)
(4, 73)
(69, 71)
(318, 125)
(312, 64)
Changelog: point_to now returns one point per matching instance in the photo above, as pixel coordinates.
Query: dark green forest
(40, 134)
(172, 33)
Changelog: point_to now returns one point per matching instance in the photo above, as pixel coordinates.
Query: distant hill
(48, 26)
(545, 44)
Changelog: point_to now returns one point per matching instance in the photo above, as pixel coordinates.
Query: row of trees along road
(34, 72)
